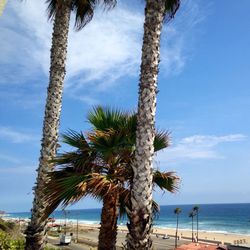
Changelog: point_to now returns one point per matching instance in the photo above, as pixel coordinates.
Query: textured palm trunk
(197, 226)
(192, 228)
(36, 230)
(141, 193)
(176, 232)
(108, 229)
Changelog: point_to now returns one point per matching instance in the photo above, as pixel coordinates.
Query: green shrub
(6, 243)
(7, 226)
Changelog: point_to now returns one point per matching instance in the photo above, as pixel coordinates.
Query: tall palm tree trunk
(192, 228)
(176, 232)
(197, 224)
(141, 193)
(109, 216)
(36, 230)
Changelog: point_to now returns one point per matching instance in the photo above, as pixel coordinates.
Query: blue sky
(204, 96)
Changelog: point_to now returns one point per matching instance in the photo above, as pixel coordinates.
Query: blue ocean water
(226, 218)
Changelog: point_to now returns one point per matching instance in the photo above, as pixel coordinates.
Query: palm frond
(65, 187)
(106, 118)
(171, 7)
(82, 163)
(124, 200)
(166, 180)
(53, 5)
(155, 209)
(83, 9)
(161, 141)
(75, 139)
(109, 3)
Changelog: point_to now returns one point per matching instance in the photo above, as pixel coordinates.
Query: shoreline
(206, 236)
(96, 224)
(212, 237)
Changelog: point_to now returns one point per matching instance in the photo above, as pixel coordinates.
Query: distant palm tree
(191, 215)
(59, 11)
(101, 167)
(177, 211)
(141, 217)
(196, 211)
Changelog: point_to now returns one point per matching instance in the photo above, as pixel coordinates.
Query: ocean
(224, 218)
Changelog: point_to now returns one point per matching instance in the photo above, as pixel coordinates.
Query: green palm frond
(166, 180)
(105, 118)
(65, 187)
(171, 7)
(114, 145)
(84, 157)
(161, 141)
(81, 163)
(75, 139)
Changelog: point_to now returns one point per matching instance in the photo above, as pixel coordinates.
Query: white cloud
(107, 49)
(15, 136)
(197, 147)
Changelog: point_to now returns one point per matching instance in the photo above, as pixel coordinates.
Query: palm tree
(141, 217)
(191, 215)
(101, 167)
(59, 11)
(177, 211)
(196, 212)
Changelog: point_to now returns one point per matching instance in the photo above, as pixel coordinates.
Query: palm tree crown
(101, 166)
(177, 211)
(83, 9)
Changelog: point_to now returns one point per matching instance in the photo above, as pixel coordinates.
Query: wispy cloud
(15, 136)
(18, 170)
(8, 158)
(108, 48)
(197, 147)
